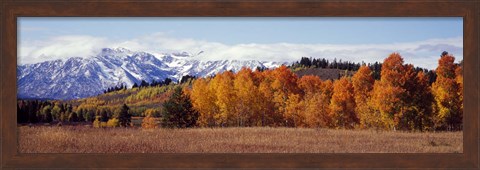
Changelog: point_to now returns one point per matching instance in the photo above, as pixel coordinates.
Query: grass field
(80, 139)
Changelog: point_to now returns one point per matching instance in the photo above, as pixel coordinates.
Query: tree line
(154, 83)
(35, 111)
(376, 67)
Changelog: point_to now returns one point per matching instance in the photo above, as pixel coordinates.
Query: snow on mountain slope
(83, 77)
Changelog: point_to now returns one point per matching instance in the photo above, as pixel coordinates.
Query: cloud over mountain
(421, 53)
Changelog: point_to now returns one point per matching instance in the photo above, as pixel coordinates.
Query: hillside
(323, 73)
(138, 99)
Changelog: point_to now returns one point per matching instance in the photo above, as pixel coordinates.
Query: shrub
(113, 123)
(149, 122)
(97, 123)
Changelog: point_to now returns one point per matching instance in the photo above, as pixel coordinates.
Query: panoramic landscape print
(240, 85)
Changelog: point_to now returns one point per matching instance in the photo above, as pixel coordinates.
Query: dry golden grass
(79, 139)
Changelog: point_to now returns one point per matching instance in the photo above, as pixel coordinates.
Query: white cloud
(59, 48)
(421, 53)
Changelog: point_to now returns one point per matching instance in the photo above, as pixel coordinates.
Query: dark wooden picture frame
(10, 10)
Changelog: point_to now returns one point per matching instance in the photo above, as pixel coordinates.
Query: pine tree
(73, 117)
(178, 111)
(124, 118)
(47, 111)
(103, 115)
(144, 84)
(135, 85)
(32, 112)
(81, 117)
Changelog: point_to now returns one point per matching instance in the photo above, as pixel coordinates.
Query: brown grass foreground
(79, 139)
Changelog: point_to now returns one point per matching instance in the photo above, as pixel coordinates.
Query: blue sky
(230, 37)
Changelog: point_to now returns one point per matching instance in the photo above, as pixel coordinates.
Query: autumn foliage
(448, 92)
(402, 99)
(392, 96)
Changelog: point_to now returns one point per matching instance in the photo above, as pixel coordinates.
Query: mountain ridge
(78, 77)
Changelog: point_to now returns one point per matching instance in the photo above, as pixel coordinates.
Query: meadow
(84, 139)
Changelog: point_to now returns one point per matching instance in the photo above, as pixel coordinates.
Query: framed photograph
(207, 84)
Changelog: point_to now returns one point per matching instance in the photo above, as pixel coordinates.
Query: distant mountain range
(78, 77)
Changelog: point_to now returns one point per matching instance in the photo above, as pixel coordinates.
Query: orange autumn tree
(388, 93)
(422, 100)
(310, 85)
(376, 119)
(326, 98)
(342, 106)
(459, 80)
(448, 113)
(363, 84)
(266, 106)
(417, 102)
(284, 83)
(316, 103)
(294, 114)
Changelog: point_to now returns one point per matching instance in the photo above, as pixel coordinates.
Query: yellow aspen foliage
(459, 79)
(204, 101)
(446, 92)
(149, 122)
(317, 111)
(114, 122)
(376, 119)
(342, 106)
(389, 93)
(222, 85)
(97, 123)
(151, 113)
(265, 104)
(326, 97)
(310, 84)
(294, 111)
(284, 83)
(316, 101)
(247, 95)
(362, 83)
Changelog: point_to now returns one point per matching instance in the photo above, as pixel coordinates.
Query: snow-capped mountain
(78, 77)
